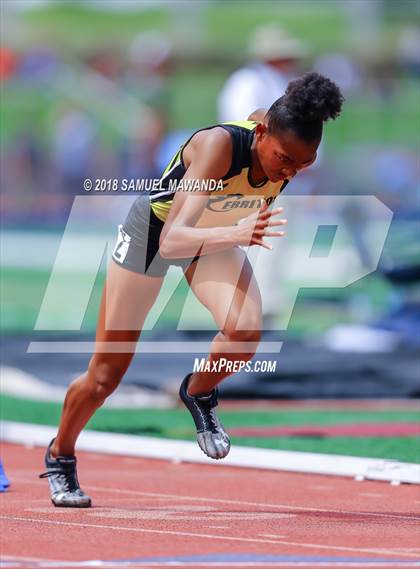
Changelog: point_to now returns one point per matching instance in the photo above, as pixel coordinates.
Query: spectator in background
(74, 142)
(9, 62)
(39, 65)
(342, 69)
(147, 79)
(275, 60)
(408, 51)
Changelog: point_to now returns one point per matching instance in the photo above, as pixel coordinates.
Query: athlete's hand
(253, 228)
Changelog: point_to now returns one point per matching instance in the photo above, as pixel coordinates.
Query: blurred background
(109, 89)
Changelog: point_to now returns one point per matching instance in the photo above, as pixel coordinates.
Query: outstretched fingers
(267, 213)
(263, 231)
(274, 233)
(262, 243)
(276, 222)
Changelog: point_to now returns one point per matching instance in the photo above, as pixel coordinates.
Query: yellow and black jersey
(232, 200)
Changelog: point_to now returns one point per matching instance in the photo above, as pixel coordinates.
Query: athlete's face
(283, 155)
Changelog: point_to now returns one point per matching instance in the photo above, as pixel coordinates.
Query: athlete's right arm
(208, 156)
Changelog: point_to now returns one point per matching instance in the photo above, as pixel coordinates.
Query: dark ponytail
(308, 102)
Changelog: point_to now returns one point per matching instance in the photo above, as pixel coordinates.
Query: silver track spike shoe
(211, 436)
(62, 479)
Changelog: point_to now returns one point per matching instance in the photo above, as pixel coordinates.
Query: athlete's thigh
(225, 283)
(126, 300)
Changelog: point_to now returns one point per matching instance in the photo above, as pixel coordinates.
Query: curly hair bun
(313, 97)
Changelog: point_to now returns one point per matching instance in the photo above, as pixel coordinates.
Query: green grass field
(177, 424)
(209, 41)
(222, 26)
(316, 310)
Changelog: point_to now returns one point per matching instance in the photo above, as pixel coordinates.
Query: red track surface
(145, 509)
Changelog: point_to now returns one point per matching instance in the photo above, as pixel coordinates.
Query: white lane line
(412, 518)
(208, 536)
(196, 564)
(257, 504)
(371, 495)
(267, 564)
(219, 527)
(239, 564)
(174, 513)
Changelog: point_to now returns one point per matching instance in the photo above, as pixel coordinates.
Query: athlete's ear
(260, 131)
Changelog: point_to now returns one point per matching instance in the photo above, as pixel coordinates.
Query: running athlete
(203, 233)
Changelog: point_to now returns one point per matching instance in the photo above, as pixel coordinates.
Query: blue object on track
(4, 481)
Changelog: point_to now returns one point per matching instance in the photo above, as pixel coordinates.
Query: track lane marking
(240, 564)
(258, 504)
(168, 513)
(208, 536)
(411, 518)
(202, 563)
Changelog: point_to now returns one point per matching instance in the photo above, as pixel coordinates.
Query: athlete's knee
(251, 334)
(104, 376)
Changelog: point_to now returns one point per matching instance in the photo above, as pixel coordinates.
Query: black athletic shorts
(137, 247)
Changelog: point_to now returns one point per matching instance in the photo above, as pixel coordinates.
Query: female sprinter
(202, 232)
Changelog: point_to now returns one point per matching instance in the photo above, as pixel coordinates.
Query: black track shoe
(62, 479)
(211, 436)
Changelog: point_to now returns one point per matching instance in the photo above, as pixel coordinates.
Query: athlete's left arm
(257, 115)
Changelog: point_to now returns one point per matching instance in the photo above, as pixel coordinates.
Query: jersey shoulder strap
(242, 133)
